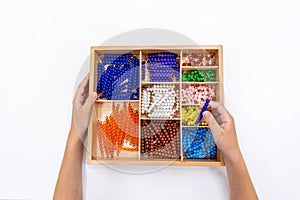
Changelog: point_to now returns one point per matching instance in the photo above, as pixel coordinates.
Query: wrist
(74, 138)
(233, 156)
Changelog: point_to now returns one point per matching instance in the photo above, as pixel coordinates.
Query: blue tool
(202, 111)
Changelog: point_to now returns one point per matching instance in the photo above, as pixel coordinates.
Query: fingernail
(206, 114)
(94, 94)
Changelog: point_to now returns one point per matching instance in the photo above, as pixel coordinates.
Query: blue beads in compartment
(198, 143)
(118, 77)
(161, 67)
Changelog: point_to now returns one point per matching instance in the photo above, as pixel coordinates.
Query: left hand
(82, 107)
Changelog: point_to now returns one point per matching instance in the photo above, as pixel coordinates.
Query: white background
(43, 45)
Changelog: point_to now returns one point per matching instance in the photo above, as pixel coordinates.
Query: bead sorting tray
(149, 98)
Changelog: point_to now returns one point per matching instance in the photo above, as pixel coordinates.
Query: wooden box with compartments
(148, 101)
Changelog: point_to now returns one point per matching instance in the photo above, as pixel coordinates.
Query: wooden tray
(103, 107)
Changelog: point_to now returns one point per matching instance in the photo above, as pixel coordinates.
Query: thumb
(213, 125)
(90, 101)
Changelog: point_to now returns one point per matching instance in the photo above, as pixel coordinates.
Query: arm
(69, 182)
(224, 133)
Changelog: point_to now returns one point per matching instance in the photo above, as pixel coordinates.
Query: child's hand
(222, 126)
(82, 106)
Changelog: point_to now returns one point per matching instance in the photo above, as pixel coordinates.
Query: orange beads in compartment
(119, 131)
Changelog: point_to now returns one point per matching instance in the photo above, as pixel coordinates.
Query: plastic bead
(119, 131)
(199, 75)
(160, 67)
(118, 77)
(197, 94)
(160, 139)
(201, 59)
(160, 101)
(198, 143)
(189, 116)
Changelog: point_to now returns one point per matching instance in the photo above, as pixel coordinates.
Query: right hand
(222, 126)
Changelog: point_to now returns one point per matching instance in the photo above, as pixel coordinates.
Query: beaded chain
(160, 139)
(203, 59)
(199, 75)
(118, 77)
(196, 94)
(160, 101)
(198, 143)
(160, 67)
(189, 116)
(119, 131)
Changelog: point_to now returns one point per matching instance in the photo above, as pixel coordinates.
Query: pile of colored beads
(202, 59)
(160, 101)
(160, 139)
(160, 67)
(198, 143)
(118, 77)
(199, 75)
(119, 131)
(189, 116)
(197, 94)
